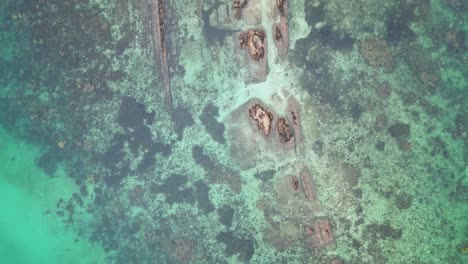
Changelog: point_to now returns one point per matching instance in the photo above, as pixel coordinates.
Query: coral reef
(455, 39)
(182, 250)
(316, 160)
(377, 53)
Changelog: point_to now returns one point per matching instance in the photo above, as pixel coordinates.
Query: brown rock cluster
(282, 5)
(262, 117)
(238, 5)
(254, 41)
(255, 59)
(297, 207)
(294, 182)
(377, 53)
(286, 127)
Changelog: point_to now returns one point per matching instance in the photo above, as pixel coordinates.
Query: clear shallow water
(96, 167)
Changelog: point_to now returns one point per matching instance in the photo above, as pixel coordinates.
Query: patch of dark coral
(358, 211)
(357, 193)
(72, 40)
(439, 147)
(399, 130)
(457, 5)
(460, 192)
(459, 132)
(217, 172)
(302, 47)
(134, 118)
(202, 159)
(203, 198)
(114, 154)
(234, 245)
(49, 160)
(182, 119)
(106, 230)
(403, 200)
(398, 23)
(209, 120)
(317, 79)
(214, 34)
(351, 173)
(382, 231)
(66, 210)
(325, 89)
(356, 244)
(174, 190)
(149, 157)
(335, 40)
(265, 175)
(133, 114)
(455, 40)
(380, 145)
(124, 42)
(317, 147)
(226, 214)
(112, 159)
(314, 13)
(356, 111)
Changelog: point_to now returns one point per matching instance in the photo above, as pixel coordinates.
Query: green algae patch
(31, 233)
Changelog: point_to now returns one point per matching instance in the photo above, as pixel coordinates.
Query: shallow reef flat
(235, 131)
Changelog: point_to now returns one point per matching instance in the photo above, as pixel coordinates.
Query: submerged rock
(234, 245)
(238, 5)
(251, 135)
(285, 132)
(255, 59)
(320, 236)
(281, 29)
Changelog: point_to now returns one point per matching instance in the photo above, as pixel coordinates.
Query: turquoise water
(327, 132)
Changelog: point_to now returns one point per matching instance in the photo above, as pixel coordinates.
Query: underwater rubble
(244, 131)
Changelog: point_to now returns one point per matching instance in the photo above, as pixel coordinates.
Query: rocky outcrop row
(281, 29)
